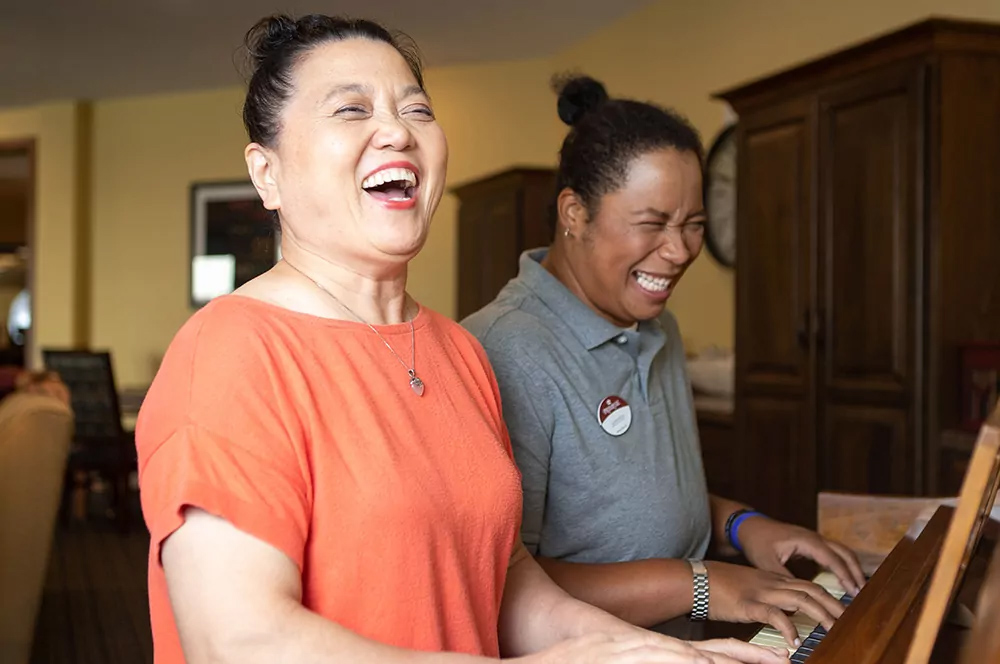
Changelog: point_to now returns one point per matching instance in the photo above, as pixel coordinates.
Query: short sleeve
(198, 468)
(219, 431)
(530, 426)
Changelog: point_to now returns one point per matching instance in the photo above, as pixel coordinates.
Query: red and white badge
(614, 415)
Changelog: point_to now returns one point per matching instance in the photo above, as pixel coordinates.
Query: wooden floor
(95, 609)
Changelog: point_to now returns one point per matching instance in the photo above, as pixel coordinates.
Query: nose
(392, 133)
(675, 248)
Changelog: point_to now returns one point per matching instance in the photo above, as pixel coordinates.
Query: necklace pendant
(417, 385)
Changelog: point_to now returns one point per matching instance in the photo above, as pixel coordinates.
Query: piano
(934, 599)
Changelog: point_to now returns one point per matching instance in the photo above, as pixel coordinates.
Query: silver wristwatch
(699, 608)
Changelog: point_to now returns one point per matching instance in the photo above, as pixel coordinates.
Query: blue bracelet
(733, 531)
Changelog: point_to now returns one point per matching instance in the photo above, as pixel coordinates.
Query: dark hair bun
(578, 96)
(268, 35)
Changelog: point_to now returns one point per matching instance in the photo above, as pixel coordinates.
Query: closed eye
(351, 110)
(421, 111)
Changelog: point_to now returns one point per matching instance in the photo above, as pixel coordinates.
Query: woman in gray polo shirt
(591, 373)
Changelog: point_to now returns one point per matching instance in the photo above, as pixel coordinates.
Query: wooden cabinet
(499, 217)
(869, 191)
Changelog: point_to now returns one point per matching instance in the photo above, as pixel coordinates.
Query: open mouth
(392, 185)
(651, 283)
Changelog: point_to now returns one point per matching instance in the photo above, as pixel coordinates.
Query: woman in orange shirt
(325, 471)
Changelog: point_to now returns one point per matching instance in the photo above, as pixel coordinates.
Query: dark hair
(607, 134)
(276, 43)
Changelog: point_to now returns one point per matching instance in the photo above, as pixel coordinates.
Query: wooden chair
(100, 443)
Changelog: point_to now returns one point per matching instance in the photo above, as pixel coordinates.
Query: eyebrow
(665, 216)
(363, 89)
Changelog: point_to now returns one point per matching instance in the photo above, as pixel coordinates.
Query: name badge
(614, 415)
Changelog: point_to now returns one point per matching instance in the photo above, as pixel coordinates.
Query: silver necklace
(416, 384)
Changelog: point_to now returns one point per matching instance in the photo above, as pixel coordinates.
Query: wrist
(733, 524)
(700, 590)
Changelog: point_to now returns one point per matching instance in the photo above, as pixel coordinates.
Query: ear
(261, 164)
(573, 215)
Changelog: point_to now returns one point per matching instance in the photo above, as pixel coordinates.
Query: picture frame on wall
(233, 238)
(980, 382)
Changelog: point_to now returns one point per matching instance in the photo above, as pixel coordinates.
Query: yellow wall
(679, 53)
(56, 130)
(146, 153)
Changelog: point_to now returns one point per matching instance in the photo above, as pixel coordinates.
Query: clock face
(720, 198)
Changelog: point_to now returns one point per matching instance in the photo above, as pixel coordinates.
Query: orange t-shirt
(400, 511)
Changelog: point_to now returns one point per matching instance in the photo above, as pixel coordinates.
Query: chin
(405, 247)
(647, 312)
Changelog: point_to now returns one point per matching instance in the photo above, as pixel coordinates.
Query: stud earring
(566, 232)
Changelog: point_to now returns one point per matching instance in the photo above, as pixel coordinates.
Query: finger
(772, 564)
(776, 618)
(658, 646)
(853, 564)
(818, 593)
(801, 600)
(819, 551)
(649, 654)
(744, 652)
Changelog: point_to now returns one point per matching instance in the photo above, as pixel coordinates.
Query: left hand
(769, 544)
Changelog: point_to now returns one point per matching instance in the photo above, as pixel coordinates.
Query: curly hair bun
(578, 96)
(270, 34)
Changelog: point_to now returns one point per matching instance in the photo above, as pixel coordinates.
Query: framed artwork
(980, 382)
(233, 238)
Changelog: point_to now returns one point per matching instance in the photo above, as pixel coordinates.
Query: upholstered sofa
(35, 435)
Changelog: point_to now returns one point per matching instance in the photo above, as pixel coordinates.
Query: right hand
(638, 646)
(745, 594)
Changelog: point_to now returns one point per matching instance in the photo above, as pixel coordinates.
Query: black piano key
(812, 641)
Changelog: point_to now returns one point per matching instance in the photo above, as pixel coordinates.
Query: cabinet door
(778, 458)
(775, 162)
(870, 218)
(866, 450)
(488, 246)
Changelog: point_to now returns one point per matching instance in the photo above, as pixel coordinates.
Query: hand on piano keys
(740, 593)
(809, 630)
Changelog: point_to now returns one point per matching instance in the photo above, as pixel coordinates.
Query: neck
(377, 298)
(559, 264)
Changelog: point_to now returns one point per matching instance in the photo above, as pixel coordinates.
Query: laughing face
(359, 164)
(636, 248)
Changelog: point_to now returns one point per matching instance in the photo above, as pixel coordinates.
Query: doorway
(17, 212)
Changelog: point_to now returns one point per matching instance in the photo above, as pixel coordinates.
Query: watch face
(720, 198)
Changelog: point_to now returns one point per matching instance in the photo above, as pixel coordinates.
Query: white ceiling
(91, 49)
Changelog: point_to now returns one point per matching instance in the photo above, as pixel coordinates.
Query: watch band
(699, 608)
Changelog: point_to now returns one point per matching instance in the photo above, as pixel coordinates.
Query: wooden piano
(920, 603)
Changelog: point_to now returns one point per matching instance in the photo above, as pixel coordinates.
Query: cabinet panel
(778, 458)
(488, 248)
(866, 450)
(773, 283)
(870, 218)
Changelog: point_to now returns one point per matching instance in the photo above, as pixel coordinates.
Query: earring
(566, 232)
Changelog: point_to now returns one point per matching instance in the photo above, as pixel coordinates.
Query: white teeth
(391, 175)
(651, 283)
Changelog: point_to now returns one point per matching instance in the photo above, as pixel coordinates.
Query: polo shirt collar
(591, 329)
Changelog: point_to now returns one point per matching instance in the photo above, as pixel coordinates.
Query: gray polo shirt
(590, 495)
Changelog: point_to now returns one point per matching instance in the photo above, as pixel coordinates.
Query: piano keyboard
(811, 633)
